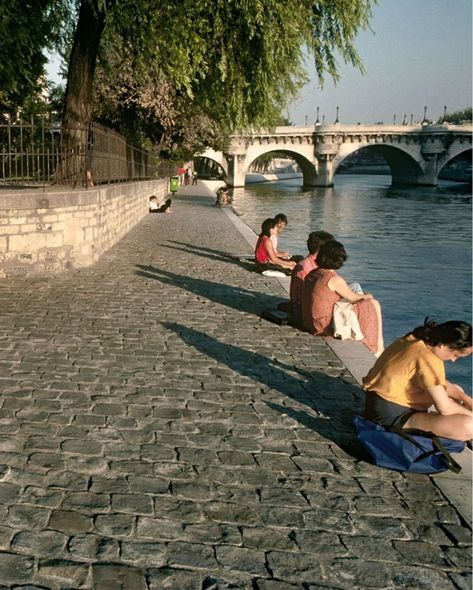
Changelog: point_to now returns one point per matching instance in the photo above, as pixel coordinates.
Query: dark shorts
(386, 413)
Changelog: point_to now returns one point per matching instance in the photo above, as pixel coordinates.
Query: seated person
(155, 207)
(265, 255)
(165, 207)
(315, 240)
(153, 204)
(281, 222)
(323, 287)
(409, 377)
(222, 199)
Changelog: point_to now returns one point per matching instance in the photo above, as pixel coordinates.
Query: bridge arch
(307, 167)
(456, 152)
(405, 169)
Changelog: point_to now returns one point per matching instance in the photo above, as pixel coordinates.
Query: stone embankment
(156, 433)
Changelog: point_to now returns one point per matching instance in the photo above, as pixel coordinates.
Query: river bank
(157, 431)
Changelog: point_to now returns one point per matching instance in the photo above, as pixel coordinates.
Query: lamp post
(306, 120)
(394, 119)
(424, 120)
(317, 122)
(336, 118)
(444, 114)
(404, 121)
(412, 118)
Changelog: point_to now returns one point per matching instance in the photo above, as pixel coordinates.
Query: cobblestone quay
(156, 433)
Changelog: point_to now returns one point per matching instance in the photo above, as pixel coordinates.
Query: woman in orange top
(265, 254)
(409, 377)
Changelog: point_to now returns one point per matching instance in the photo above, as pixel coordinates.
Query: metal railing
(39, 153)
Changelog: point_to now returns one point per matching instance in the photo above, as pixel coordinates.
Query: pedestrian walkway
(156, 433)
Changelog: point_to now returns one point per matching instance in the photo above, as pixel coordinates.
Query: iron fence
(39, 152)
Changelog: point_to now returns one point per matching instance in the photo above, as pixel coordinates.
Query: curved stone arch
(308, 168)
(454, 151)
(404, 164)
(217, 157)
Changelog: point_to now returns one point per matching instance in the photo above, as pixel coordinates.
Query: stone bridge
(415, 153)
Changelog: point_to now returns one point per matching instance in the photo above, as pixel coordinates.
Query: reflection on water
(410, 247)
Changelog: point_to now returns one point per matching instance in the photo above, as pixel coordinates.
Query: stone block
(69, 521)
(41, 543)
(59, 572)
(16, 568)
(26, 242)
(191, 555)
(144, 553)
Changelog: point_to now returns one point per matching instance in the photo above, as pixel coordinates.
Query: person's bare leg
(456, 426)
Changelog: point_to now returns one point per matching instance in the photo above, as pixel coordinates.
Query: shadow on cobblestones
(238, 298)
(212, 254)
(331, 403)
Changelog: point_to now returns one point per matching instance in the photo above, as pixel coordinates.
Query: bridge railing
(35, 153)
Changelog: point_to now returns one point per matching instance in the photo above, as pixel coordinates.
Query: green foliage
(27, 29)
(464, 116)
(236, 63)
(187, 72)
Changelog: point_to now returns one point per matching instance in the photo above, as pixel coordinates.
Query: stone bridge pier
(415, 153)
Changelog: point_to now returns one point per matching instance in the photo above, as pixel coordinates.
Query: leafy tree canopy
(464, 116)
(178, 72)
(27, 29)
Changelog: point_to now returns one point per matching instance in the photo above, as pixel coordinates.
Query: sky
(420, 54)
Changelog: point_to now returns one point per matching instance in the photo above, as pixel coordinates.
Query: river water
(410, 247)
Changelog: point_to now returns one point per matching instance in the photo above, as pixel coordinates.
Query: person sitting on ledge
(281, 222)
(315, 240)
(154, 207)
(265, 255)
(323, 288)
(409, 377)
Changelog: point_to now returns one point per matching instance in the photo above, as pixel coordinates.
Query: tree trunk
(78, 100)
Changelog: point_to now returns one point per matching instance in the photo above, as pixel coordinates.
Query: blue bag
(407, 449)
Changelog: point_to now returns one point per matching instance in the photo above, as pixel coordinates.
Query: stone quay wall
(50, 232)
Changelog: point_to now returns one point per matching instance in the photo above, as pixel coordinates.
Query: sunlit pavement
(157, 433)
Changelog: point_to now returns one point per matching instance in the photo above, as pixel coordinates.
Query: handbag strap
(407, 433)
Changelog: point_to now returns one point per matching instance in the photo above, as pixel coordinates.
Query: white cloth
(345, 322)
(273, 273)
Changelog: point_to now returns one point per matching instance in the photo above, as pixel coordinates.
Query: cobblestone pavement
(155, 433)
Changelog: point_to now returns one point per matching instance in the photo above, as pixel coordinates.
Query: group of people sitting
(407, 386)
(316, 288)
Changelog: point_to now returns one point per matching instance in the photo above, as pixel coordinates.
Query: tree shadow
(330, 402)
(237, 298)
(213, 254)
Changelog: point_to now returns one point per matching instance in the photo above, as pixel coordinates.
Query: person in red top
(265, 255)
(315, 240)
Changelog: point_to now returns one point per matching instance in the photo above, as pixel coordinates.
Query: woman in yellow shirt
(409, 377)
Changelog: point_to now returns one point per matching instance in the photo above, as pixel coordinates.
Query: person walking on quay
(188, 176)
(409, 377)
(181, 173)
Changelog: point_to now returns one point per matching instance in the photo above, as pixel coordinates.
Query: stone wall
(50, 232)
